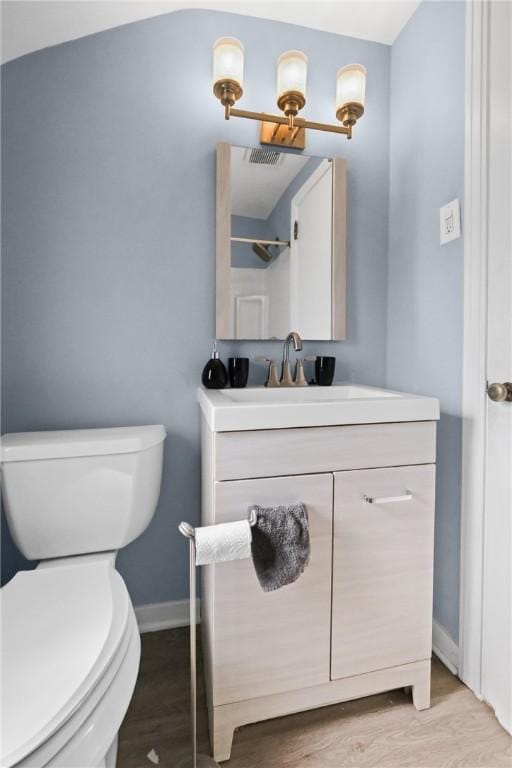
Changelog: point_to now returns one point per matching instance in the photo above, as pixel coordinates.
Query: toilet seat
(90, 732)
(66, 632)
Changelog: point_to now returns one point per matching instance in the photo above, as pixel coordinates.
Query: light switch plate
(449, 219)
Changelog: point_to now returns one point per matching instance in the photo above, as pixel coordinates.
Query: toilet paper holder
(197, 761)
(189, 532)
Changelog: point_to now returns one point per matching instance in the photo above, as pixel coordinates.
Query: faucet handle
(272, 377)
(299, 378)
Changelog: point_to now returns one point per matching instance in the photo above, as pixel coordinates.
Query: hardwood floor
(382, 731)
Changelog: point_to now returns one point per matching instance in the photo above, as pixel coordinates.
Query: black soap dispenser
(214, 374)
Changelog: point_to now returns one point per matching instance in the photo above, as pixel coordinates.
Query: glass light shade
(350, 85)
(292, 70)
(228, 60)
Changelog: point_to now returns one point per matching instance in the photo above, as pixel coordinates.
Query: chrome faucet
(286, 374)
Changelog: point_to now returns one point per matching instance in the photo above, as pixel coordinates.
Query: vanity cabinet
(270, 642)
(359, 619)
(382, 569)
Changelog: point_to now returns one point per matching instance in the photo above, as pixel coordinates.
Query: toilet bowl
(70, 642)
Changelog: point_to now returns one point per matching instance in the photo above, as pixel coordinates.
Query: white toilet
(70, 643)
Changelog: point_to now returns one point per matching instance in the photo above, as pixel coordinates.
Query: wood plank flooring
(383, 731)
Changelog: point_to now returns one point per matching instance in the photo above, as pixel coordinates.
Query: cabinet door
(270, 642)
(382, 569)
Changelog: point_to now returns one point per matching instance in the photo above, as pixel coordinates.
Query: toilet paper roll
(222, 543)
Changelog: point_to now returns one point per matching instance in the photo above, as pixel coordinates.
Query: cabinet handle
(387, 499)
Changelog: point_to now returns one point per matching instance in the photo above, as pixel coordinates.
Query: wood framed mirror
(280, 244)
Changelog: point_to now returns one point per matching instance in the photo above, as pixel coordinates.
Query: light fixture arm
(297, 122)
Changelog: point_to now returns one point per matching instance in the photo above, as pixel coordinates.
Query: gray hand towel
(280, 544)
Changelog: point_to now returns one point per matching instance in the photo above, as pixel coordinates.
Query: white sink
(227, 410)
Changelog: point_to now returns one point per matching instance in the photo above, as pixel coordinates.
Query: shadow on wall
(182, 468)
(447, 525)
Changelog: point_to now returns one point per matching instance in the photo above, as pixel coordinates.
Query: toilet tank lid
(68, 443)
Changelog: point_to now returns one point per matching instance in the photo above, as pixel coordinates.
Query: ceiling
(29, 25)
(256, 189)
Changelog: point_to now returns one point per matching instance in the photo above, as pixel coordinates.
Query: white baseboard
(445, 647)
(156, 616)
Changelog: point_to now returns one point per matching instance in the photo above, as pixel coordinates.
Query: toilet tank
(74, 492)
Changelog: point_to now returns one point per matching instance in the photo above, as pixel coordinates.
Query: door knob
(499, 392)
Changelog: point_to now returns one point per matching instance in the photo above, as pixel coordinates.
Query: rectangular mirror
(281, 244)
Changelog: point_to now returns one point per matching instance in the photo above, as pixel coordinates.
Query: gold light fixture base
(228, 92)
(281, 136)
(291, 102)
(350, 113)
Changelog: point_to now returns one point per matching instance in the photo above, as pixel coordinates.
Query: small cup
(238, 368)
(324, 370)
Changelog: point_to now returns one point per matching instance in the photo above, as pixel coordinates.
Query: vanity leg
(222, 732)
(421, 691)
(222, 743)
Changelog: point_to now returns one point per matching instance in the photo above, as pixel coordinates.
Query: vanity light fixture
(287, 129)
(292, 70)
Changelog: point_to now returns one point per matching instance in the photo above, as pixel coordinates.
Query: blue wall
(108, 176)
(425, 281)
(242, 255)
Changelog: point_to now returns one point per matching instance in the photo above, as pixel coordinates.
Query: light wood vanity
(359, 620)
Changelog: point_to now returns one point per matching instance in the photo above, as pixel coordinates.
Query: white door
(497, 572)
(311, 245)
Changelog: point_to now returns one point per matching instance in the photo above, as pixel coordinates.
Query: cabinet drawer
(382, 569)
(273, 452)
(271, 642)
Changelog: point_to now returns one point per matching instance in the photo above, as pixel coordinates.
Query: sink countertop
(228, 410)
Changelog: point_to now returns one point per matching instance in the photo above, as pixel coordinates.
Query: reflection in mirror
(281, 259)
